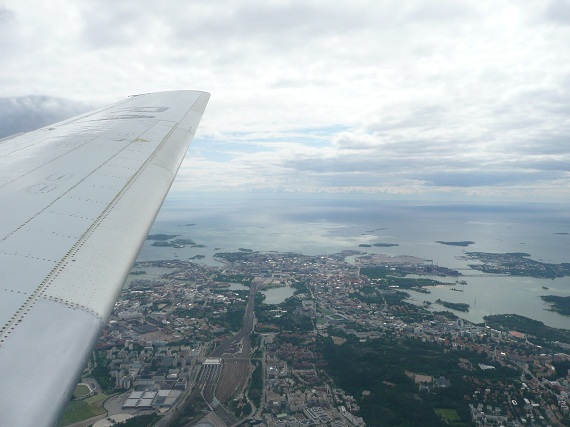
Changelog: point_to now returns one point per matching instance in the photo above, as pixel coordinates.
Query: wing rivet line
(44, 289)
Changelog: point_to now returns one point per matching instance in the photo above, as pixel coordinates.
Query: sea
(320, 226)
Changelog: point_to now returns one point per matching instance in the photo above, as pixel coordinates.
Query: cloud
(6, 15)
(26, 113)
(558, 11)
(462, 99)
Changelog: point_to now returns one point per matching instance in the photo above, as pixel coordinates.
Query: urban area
(193, 344)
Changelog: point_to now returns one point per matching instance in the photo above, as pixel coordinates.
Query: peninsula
(559, 304)
(459, 306)
(516, 264)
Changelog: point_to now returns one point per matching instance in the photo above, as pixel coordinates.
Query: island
(176, 243)
(161, 236)
(385, 245)
(376, 229)
(461, 243)
(349, 252)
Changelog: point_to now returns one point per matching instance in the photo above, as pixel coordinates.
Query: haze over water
(319, 226)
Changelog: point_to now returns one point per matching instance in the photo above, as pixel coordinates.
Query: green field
(78, 410)
(451, 417)
(81, 390)
(325, 311)
(101, 397)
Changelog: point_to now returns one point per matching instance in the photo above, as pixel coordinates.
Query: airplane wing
(78, 199)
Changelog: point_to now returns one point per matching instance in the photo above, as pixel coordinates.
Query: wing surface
(78, 199)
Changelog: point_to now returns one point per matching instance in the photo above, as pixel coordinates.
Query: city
(183, 342)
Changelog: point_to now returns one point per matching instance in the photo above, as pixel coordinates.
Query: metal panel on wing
(80, 197)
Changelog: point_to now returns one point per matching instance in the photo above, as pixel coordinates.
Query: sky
(405, 99)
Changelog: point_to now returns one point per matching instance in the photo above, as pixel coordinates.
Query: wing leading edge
(78, 200)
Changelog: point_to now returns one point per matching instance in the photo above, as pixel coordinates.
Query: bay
(319, 226)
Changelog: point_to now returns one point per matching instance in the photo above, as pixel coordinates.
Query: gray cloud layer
(26, 113)
(429, 99)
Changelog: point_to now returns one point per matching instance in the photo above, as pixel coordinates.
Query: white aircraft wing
(77, 201)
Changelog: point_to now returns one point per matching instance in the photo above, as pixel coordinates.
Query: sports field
(449, 415)
(81, 390)
(78, 410)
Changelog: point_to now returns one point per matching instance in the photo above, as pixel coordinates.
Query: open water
(319, 226)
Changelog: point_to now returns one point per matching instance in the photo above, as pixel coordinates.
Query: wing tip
(169, 91)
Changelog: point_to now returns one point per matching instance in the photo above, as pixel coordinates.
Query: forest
(377, 373)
